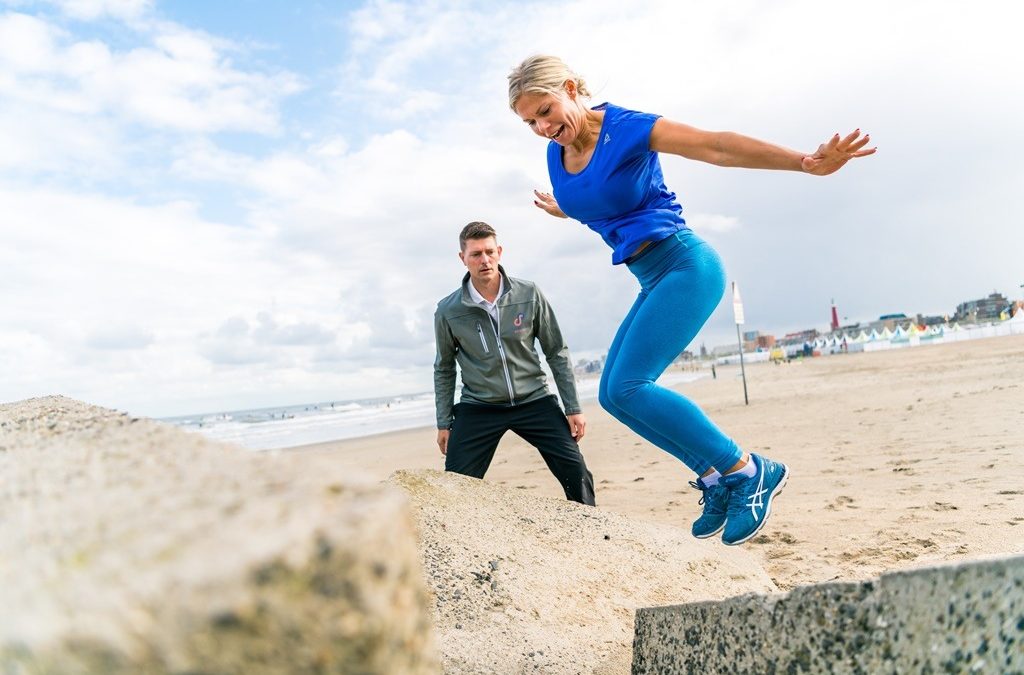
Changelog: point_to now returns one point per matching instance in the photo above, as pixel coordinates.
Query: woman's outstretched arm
(725, 148)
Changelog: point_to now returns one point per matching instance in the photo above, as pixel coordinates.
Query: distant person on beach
(605, 172)
(488, 326)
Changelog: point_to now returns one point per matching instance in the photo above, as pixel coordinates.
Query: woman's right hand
(546, 202)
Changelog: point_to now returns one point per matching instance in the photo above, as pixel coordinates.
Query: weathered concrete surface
(128, 546)
(526, 584)
(959, 618)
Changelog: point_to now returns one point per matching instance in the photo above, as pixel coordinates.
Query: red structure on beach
(835, 316)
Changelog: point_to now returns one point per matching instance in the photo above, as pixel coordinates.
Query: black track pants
(541, 423)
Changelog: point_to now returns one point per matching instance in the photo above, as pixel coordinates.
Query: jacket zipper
(483, 341)
(504, 363)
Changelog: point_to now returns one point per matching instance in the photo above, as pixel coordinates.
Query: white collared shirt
(490, 307)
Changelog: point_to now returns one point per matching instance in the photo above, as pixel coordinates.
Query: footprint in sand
(775, 538)
(901, 466)
(840, 502)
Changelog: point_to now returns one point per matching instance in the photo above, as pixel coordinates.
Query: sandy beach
(899, 458)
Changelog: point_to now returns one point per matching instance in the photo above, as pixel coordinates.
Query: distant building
(588, 367)
(760, 344)
(799, 337)
(725, 350)
(890, 321)
(755, 341)
(985, 309)
(927, 321)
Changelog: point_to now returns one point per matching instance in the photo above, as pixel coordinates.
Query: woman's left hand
(546, 202)
(831, 156)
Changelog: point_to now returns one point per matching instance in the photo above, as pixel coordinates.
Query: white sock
(748, 470)
(711, 479)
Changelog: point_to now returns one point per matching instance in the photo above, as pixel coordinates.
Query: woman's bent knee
(624, 397)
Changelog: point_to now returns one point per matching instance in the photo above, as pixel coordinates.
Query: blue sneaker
(715, 500)
(750, 499)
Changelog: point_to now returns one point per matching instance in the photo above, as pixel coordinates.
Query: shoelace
(703, 491)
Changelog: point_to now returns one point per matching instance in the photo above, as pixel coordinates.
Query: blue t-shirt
(621, 193)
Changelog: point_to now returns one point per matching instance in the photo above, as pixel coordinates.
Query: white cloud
(321, 282)
(120, 338)
(27, 44)
(55, 143)
(184, 80)
(90, 10)
(711, 222)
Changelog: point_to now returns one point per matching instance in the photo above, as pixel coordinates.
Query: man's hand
(577, 425)
(442, 440)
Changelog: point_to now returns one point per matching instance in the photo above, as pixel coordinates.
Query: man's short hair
(476, 230)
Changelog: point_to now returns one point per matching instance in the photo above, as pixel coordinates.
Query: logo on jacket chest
(520, 323)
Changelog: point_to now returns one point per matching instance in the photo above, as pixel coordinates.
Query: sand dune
(527, 584)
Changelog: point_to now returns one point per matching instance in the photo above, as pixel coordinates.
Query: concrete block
(961, 618)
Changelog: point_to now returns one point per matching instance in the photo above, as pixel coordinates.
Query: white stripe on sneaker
(756, 499)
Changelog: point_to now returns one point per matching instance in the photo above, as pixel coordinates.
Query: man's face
(481, 257)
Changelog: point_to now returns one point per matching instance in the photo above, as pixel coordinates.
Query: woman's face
(557, 117)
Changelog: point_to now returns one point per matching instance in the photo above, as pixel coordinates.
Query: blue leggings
(681, 283)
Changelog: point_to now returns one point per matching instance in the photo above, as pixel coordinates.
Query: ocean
(290, 426)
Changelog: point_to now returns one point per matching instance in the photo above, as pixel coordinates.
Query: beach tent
(863, 337)
(874, 335)
(899, 333)
(1016, 324)
(955, 327)
(886, 333)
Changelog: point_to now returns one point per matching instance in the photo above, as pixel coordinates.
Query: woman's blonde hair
(541, 75)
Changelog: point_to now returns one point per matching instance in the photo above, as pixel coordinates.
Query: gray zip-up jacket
(499, 364)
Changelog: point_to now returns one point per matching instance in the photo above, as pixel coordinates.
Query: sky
(216, 206)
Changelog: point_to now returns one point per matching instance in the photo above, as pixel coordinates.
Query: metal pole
(743, 369)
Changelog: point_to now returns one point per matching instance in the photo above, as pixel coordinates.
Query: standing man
(489, 326)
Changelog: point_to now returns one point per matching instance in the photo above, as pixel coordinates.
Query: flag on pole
(737, 304)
